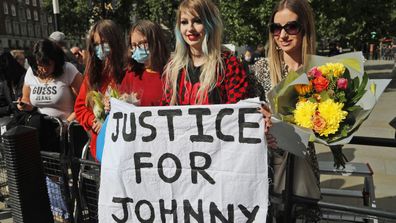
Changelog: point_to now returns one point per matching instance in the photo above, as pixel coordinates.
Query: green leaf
(353, 108)
(324, 96)
(311, 99)
(288, 109)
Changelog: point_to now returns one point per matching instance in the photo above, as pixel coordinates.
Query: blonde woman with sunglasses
(291, 39)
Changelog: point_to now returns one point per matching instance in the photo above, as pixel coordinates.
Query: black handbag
(48, 138)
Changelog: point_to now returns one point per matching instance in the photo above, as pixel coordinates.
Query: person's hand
(265, 110)
(96, 126)
(106, 103)
(21, 105)
(271, 141)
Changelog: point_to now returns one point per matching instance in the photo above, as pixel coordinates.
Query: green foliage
(74, 16)
(353, 20)
(245, 21)
(361, 89)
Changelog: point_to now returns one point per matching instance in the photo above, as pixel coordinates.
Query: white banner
(184, 164)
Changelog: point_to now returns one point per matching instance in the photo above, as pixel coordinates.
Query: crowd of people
(199, 71)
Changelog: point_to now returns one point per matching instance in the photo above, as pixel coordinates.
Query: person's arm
(167, 93)
(75, 87)
(76, 84)
(236, 80)
(84, 115)
(24, 102)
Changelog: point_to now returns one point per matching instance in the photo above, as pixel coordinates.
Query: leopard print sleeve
(261, 82)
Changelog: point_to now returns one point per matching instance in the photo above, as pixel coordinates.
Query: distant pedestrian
(78, 54)
(248, 62)
(259, 52)
(60, 39)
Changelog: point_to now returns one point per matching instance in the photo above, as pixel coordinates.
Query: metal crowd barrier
(73, 185)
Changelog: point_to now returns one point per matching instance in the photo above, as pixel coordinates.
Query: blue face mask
(140, 55)
(102, 51)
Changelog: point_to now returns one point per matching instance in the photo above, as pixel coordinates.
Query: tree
(74, 16)
(246, 21)
(353, 20)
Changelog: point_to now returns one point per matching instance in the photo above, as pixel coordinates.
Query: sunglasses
(291, 28)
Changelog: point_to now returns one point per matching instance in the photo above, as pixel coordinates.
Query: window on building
(23, 29)
(21, 15)
(8, 27)
(15, 27)
(5, 7)
(43, 18)
(45, 30)
(35, 15)
(50, 29)
(30, 30)
(28, 15)
(27, 2)
(34, 2)
(13, 11)
(38, 30)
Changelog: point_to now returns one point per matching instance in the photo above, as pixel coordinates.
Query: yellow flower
(304, 112)
(333, 114)
(334, 69)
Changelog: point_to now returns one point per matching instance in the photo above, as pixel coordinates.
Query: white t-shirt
(54, 98)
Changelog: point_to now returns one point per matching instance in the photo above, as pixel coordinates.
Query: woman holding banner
(292, 37)
(104, 69)
(199, 72)
(149, 56)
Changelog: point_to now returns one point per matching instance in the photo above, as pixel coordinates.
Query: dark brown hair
(96, 69)
(157, 46)
(46, 50)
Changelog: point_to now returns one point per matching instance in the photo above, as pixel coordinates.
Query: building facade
(22, 23)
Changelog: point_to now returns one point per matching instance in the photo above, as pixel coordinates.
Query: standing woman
(291, 38)
(149, 56)
(104, 68)
(198, 71)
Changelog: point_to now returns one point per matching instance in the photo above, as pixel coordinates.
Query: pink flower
(342, 83)
(314, 73)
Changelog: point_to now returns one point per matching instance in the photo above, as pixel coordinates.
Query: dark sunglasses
(291, 28)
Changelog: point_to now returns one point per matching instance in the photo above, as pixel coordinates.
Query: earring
(278, 48)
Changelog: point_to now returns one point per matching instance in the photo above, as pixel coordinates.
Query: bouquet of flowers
(330, 96)
(96, 101)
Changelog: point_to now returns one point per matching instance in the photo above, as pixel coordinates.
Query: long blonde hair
(306, 18)
(211, 48)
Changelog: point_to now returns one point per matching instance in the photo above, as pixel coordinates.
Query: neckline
(46, 81)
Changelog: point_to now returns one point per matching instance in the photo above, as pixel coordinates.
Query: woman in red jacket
(149, 56)
(104, 69)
